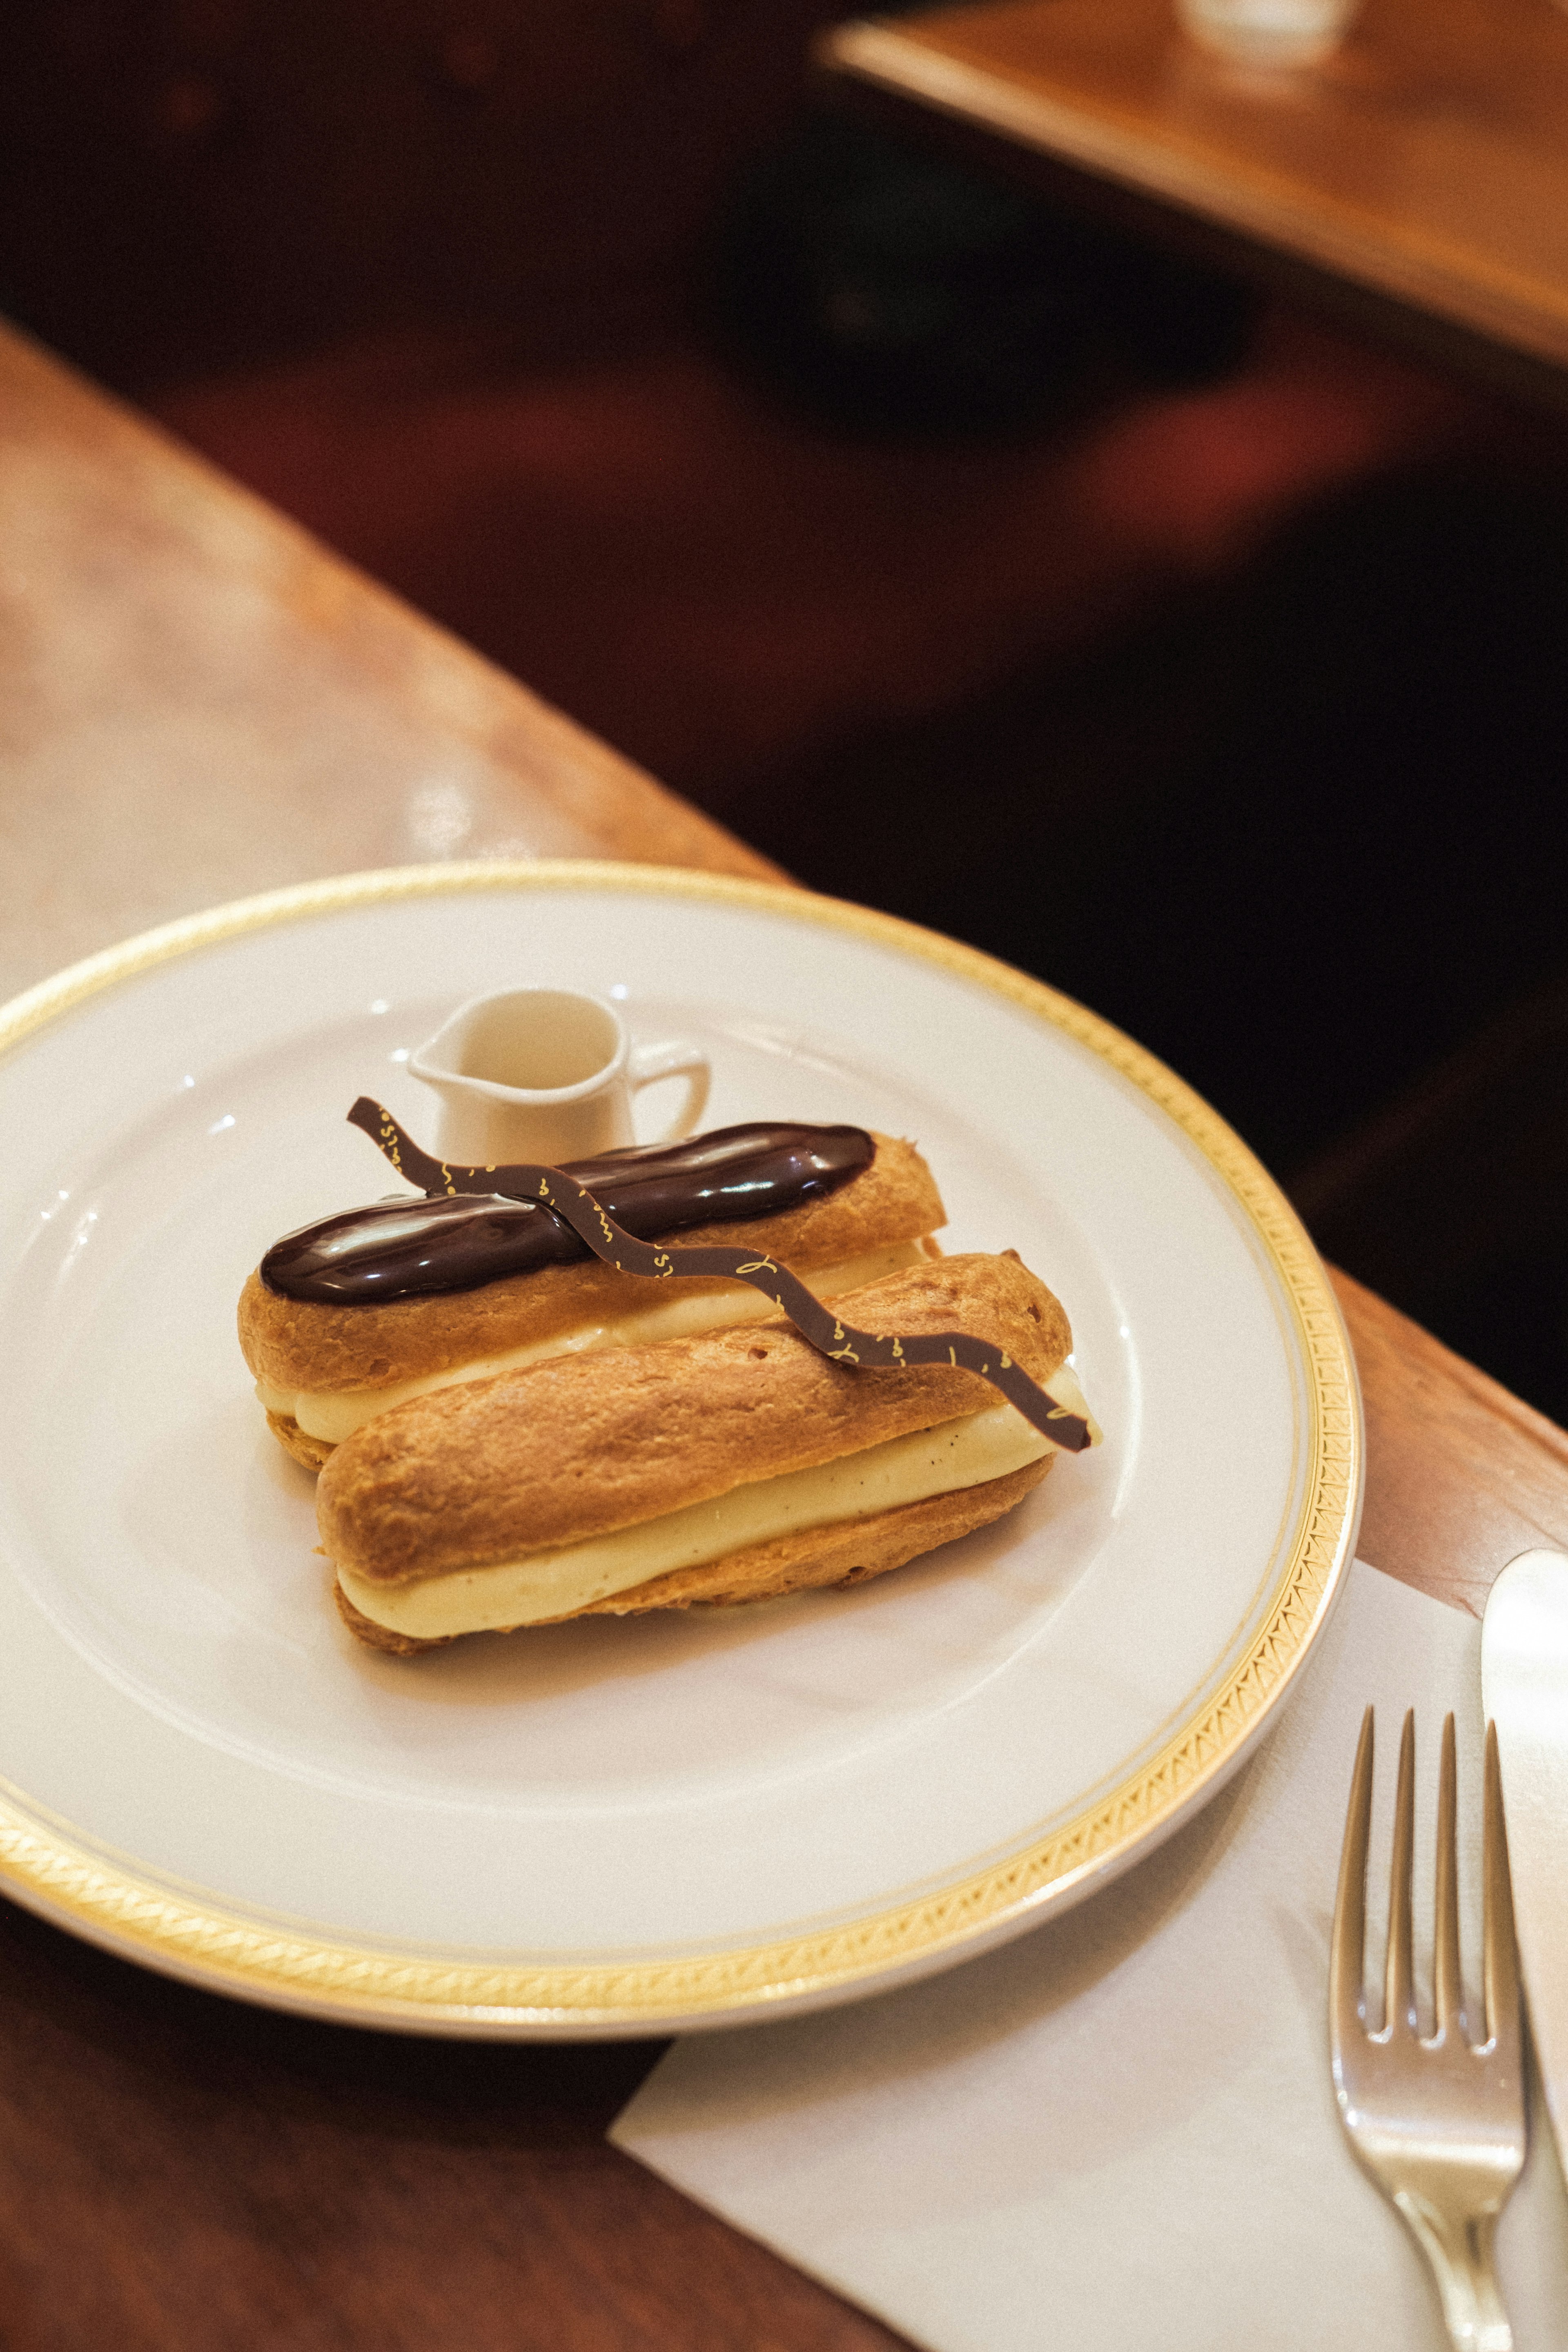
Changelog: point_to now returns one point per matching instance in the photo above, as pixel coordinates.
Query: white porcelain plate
(618, 1826)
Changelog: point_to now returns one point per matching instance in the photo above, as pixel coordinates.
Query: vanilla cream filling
(332, 1414)
(954, 1455)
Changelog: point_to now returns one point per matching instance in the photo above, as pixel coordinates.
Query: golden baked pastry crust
(293, 1344)
(314, 1453)
(310, 1452)
(578, 1446)
(849, 1552)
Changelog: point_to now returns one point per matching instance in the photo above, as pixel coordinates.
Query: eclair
(348, 1318)
(732, 1465)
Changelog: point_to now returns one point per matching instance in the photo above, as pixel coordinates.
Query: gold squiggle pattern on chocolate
(842, 1342)
(116, 1900)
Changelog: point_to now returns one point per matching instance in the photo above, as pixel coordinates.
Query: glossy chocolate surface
(413, 1248)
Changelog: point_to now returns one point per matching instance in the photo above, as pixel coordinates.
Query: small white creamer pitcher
(546, 1073)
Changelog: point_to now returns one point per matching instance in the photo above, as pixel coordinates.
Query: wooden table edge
(885, 70)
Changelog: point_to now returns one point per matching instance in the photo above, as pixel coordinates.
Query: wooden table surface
(1423, 165)
(197, 702)
(194, 702)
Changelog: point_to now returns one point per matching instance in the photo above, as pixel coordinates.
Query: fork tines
(1437, 2120)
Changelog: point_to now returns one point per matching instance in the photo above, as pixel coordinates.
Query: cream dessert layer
(333, 1415)
(542, 1585)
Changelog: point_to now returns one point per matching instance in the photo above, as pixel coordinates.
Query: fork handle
(1460, 2254)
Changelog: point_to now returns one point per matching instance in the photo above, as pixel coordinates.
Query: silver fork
(1435, 2120)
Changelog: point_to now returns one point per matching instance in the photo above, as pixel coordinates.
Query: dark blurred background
(969, 557)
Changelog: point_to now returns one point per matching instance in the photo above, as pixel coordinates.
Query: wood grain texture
(1460, 1474)
(1424, 161)
(194, 700)
(198, 701)
(176, 2170)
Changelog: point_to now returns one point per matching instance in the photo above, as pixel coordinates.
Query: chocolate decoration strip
(411, 1247)
(839, 1341)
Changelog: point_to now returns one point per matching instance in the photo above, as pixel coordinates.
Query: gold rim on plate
(182, 1935)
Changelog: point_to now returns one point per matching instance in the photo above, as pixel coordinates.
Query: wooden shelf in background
(1424, 165)
(201, 701)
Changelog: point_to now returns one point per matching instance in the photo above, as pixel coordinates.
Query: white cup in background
(1268, 32)
(546, 1073)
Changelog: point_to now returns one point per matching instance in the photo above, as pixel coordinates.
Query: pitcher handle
(676, 1059)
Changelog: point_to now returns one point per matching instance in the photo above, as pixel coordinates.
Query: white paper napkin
(1118, 2133)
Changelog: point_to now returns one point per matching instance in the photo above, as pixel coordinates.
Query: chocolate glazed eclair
(733, 1465)
(353, 1316)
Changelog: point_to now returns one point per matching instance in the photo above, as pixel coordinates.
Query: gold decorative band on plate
(183, 1933)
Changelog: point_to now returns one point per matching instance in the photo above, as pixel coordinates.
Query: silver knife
(1524, 1689)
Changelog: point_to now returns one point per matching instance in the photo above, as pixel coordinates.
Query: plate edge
(64, 1882)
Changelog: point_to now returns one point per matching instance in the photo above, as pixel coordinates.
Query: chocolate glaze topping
(816, 1321)
(410, 1248)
